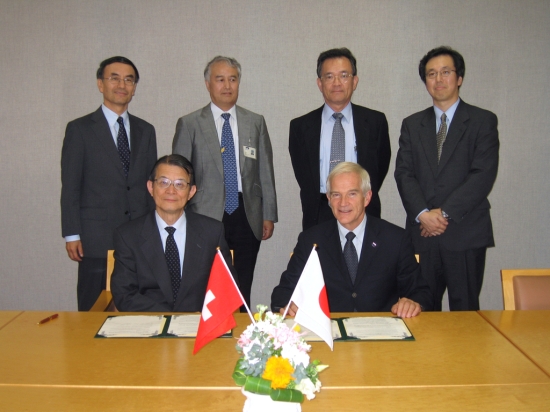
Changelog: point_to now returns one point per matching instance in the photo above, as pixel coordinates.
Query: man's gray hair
(229, 60)
(350, 167)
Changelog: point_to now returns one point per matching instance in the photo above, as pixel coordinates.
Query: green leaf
(286, 395)
(238, 374)
(257, 385)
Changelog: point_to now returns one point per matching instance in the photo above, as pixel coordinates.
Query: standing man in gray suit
(105, 163)
(231, 152)
(446, 167)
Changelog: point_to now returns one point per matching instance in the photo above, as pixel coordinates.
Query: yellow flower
(278, 371)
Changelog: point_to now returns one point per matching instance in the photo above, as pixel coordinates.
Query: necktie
(441, 135)
(338, 143)
(173, 261)
(123, 146)
(229, 167)
(350, 256)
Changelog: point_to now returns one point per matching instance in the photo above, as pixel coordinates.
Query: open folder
(151, 326)
(362, 328)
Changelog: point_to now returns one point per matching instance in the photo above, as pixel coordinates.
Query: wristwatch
(445, 215)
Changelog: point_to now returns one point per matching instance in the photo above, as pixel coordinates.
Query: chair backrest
(110, 268)
(526, 288)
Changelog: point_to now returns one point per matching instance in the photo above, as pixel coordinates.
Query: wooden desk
(458, 362)
(7, 316)
(528, 330)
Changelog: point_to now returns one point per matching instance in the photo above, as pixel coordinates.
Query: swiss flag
(310, 295)
(221, 300)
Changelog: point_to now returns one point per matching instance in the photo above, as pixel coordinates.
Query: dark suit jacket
(96, 197)
(196, 138)
(141, 281)
(373, 154)
(387, 269)
(459, 184)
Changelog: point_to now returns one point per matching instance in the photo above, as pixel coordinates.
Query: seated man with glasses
(368, 264)
(163, 259)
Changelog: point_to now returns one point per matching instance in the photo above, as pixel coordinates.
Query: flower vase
(263, 403)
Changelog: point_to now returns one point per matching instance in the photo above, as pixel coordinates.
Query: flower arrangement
(274, 360)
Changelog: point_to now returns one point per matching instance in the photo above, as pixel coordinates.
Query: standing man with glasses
(105, 162)
(337, 131)
(163, 259)
(230, 149)
(446, 167)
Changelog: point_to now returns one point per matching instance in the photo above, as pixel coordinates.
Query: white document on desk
(185, 326)
(132, 326)
(376, 328)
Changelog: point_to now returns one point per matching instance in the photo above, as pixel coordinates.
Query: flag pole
(235, 284)
(290, 301)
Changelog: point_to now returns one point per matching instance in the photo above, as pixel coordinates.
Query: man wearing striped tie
(446, 167)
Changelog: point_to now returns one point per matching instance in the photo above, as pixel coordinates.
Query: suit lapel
(193, 258)
(210, 136)
(104, 136)
(153, 251)
(333, 251)
(244, 125)
(428, 138)
(135, 142)
(368, 252)
(312, 144)
(360, 127)
(454, 134)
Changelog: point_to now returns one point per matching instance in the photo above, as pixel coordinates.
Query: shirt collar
(359, 231)
(112, 117)
(449, 113)
(328, 112)
(217, 112)
(178, 224)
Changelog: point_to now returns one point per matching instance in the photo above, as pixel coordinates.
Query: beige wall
(51, 49)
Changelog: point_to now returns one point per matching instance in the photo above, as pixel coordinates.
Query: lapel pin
(373, 244)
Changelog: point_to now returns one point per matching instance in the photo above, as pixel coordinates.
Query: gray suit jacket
(459, 184)
(141, 281)
(96, 197)
(196, 139)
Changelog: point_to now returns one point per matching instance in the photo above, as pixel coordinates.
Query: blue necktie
(229, 167)
(173, 261)
(123, 146)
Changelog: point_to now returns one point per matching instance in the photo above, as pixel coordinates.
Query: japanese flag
(310, 296)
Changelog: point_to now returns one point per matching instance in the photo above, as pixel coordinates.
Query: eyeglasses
(344, 77)
(444, 73)
(115, 80)
(164, 183)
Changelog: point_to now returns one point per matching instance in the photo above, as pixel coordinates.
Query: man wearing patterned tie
(368, 263)
(105, 163)
(446, 167)
(337, 131)
(230, 149)
(163, 259)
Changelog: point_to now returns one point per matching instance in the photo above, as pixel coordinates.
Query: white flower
(308, 388)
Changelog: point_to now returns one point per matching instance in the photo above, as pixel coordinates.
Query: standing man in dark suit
(105, 162)
(337, 131)
(231, 152)
(446, 167)
(163, 259)
(368, 264)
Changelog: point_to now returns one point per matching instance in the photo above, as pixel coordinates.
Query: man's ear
(192, 192)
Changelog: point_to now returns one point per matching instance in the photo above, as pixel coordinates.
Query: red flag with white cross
(222, 299)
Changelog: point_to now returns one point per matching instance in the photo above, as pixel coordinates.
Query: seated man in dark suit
(368, 264)
(163, 259)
